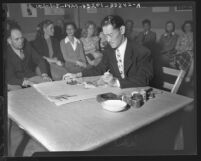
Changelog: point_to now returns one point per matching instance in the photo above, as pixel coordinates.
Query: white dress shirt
(121, 49)
(74, 44)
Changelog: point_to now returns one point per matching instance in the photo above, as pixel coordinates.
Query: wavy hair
(187, 22)
(86, 26)
(173, 25)
(41, 25)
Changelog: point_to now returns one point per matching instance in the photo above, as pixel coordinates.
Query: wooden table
(84, 125)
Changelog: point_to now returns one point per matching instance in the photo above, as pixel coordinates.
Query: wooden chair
(177, 73)
(179, 140)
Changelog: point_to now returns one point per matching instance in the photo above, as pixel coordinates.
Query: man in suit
(130, 33)
(20, 59)
(147, 37)
(129, 64)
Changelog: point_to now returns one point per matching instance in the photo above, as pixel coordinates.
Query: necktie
(120, 63)
(22, 54)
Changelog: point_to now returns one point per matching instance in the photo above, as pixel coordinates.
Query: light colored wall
(158, 19)
(81, 16)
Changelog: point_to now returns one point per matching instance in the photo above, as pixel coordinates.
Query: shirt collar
(67, 40)
(16, 50)
(172, 33)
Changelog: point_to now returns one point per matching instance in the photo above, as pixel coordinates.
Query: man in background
(20, 59)
(130, 33)
(147, 37)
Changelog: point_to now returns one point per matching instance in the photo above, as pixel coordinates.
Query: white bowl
(114, 105)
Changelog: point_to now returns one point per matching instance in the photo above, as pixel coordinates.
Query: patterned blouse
(185, 43)
(90, 45)
(184, 55)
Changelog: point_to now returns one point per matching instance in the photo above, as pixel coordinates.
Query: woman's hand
(50, 60)
(81, 64)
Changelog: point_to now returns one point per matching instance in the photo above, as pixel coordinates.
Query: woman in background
(167, 44)
(184, 49)
(72, 50)
(164, 57)
(49, 48)
(90, 42)
(184, 60)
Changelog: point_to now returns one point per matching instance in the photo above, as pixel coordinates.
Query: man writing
(129, 64)
(20, 59)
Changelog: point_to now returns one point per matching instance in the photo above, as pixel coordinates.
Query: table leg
(21, 147)
(9, 136)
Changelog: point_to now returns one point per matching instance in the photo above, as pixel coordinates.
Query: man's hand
(110, 80)
(70, 77)
(46, 78)
(27, 83)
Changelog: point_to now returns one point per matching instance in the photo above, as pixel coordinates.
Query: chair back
(177, 73)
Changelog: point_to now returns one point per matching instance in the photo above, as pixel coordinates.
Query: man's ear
(9, 40)
(122, 30)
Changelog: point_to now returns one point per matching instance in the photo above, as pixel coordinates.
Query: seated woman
(48, 47)
(72, 51)
(167, 44)
(184, 60)
(164, 55)
(184, 47)
(90, 42)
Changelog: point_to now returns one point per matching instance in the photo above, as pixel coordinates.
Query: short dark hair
(9, 26)
(173, 25)
(115, 20)
(86, 26)
(146, 21)
(187, 22)
(72, 24)
(129, 20)
(41, 25)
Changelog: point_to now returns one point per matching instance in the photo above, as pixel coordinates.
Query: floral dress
(184, 55)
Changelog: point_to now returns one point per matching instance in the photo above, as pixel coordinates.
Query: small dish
(114, 105)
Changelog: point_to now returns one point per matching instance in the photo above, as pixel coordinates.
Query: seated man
(20, 59)
(129, 64)
(147, 37)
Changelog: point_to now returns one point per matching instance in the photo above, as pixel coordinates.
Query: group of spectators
(69, 49)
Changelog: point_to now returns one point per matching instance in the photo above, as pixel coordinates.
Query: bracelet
(44, 75)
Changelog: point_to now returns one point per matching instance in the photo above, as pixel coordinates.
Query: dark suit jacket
(40, 45)
(18, 69)
(148, 40)
(137, 66)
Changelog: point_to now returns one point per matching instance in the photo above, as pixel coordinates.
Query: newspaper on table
(61, 93)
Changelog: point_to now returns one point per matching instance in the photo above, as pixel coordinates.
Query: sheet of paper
(61, 93)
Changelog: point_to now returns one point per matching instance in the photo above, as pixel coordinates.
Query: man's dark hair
(146, 21)
(41, 25)
(115, 20)
(187, 22)
(131, 21)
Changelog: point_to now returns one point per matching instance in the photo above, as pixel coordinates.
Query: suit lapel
(127, 57)
(113, 60)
